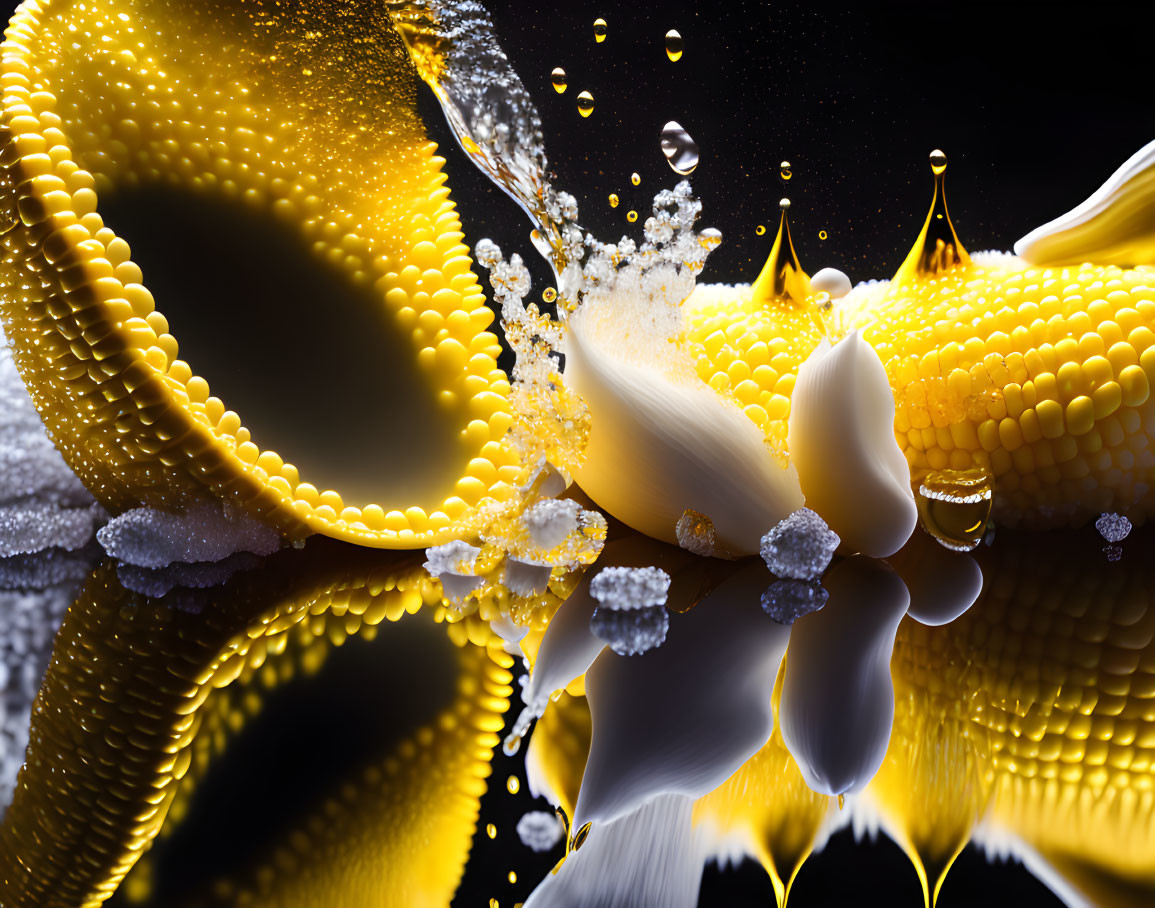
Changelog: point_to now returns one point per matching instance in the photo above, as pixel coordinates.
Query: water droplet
(937, 161)
(631, 216)
(674, 45)
(760, 230)
(636, 178)
(954, 506)
(711, 237)
(558, 78)
(783, 204)
(613, 200)
(512, 876)
(585, 103)
(821, 234)
(491, 830)
(785, 172)
(512, 785)
(680, 149)
(580, 837)
(600, 30)
(549, 294)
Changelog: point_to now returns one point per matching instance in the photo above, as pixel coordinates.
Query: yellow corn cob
(141, 693)
(272, 125)
(1038, 377)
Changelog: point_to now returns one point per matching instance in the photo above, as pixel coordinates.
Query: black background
(1035, 105)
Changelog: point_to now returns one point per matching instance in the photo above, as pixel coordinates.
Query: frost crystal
(788, 600)
(551, 520)
(627, 588)
(206, 532)
(1113, 527)
(632, 631)
(453, 564)
(799, 547)
(42, 503)
(540, 830)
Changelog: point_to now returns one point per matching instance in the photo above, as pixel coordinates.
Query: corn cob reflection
(143, 696)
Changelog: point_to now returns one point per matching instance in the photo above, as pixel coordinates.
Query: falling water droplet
(636, 178)
(512, 785)
(680, 149)
(760, 230)
(784, 171)
(783, 204)
(549, 294)
(711, 237)
(600, 29)
(613, 200)
(585, 103)
(558, 78)
(674, 45)
(821, 234)
(631, 216)
(491, 830)
(937, 161)
(954, 506)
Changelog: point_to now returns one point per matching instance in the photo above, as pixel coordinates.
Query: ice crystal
(800, 546)
(628, 588)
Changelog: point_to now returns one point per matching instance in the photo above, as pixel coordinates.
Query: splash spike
(782, 277)
(937, 248)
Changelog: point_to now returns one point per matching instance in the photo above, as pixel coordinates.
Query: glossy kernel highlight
(175, 203)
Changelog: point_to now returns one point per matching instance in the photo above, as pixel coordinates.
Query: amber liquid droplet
(580, 837)
(585, 103)
(636, 178)
(600, 30)
(558, 78)
(784, 171)
(631, 216)
(760, 230)
(821, 234)
(674, 45)
(491, 830)
(549, 294)
(782, 277)
(954, 507)
(512, 876)
(512, 785)
(613, 200)
(937, 248)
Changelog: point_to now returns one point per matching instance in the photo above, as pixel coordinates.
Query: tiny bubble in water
(760, 230)
(821, 234)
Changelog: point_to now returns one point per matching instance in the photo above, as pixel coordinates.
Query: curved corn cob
(266, 152)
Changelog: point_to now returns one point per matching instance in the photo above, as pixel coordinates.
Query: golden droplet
(585, 103)
(631, 216)
(549, 294)
(558, 78)
(937, 248)
(782, 277)
(613, 200)
(954, 506)
(636, 178)
(674, 45)
(821, 234)
(512, 876)
(512, 785)
(491, 830)
(494, 903)
(580, 838)
(784, 171)
(841, 801)
(760, 230)
(600, 30)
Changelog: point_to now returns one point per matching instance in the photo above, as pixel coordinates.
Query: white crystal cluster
(29, 621)
(627, 588)
(42, 503)
(453, 564)
(1113, 527)
(788, 600)
(207, 532)
(631, 616)
(799, 547)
